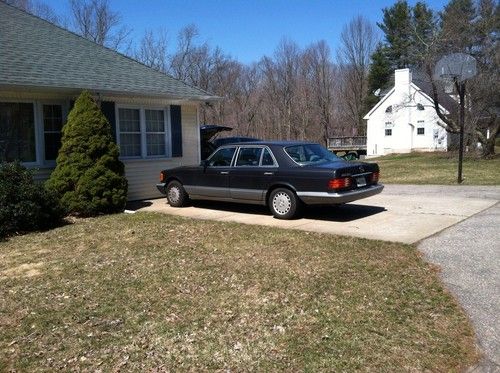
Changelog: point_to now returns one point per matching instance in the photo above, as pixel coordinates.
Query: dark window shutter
(108, 109)
(176, 127)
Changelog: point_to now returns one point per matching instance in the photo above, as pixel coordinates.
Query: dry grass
(437, 168)
(148, 291)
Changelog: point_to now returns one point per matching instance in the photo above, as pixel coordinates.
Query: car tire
(283, 203)
(176, 194)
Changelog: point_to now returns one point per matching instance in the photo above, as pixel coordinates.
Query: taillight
(340, 183)
(375, 177)
(162, 177)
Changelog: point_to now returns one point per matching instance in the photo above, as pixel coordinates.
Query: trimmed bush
(89, 177)
(24, 204)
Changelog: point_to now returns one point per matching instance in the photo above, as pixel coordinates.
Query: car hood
(210, 130)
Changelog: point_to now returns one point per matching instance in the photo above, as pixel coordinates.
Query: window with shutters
(143, 132)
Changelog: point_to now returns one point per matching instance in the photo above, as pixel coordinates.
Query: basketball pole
(461, 93)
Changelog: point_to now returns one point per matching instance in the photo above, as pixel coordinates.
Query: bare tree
(472, 30)
(96, 21)
(317, 58)
(153, 50)
(357, 43)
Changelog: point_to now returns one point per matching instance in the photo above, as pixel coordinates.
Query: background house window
(155, 132)
(421, 127)
(130, 132)
(17, 132)
(52, 125)
(388, 131)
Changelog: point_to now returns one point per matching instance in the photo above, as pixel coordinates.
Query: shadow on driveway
(343, 213)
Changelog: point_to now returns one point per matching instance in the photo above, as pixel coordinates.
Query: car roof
(271, 143)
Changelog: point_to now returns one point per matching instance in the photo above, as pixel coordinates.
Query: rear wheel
(283, 203)
(176, 194)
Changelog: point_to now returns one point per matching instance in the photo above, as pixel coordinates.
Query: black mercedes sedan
(281, 175)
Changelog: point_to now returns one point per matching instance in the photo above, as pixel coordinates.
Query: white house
(43, 68)
(404, 120)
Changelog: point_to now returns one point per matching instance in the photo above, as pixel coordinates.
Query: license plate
(360, 181)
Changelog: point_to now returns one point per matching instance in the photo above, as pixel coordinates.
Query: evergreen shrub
(89, 177)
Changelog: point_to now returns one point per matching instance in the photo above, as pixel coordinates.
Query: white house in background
(404, 120)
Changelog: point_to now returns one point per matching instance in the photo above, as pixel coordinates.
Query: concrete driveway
(401, 213)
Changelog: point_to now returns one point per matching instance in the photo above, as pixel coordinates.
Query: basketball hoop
(455, 69)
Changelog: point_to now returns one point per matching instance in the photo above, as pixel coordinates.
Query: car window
(222, 157)
(248, 156)
(267, 158)
(310, 154)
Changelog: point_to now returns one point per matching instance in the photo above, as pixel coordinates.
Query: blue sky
(247, 30)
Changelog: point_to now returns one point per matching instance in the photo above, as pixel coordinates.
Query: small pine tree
(88, 177)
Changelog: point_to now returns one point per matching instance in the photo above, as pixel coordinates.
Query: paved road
(469, 255)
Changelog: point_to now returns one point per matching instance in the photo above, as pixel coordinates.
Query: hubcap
(174, 194)
(282, 203)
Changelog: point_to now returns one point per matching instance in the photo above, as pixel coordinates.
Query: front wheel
(283, 203)
(176, 194)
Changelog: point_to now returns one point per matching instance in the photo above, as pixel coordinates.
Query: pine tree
(378, 76)
(396, 26)
(89, 177)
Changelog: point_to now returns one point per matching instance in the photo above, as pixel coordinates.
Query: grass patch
(148, 291)
(437, 168)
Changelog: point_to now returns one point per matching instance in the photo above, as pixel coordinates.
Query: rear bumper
(161, 188)
(325, 198)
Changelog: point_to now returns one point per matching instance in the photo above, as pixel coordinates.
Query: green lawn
(148, 291)
(437, 168)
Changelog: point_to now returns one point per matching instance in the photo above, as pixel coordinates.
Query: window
(52, 125)
(142, 132)
(421, 127)
(222, 157)
(267, 158)
(155, 132)
(130, 132)
(388, 131)
(17, 132)
(249, 157)
(310, 153)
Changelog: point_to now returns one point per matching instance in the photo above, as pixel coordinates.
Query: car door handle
(224, 172)
(268, 173)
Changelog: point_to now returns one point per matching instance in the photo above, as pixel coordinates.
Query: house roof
(38, 54)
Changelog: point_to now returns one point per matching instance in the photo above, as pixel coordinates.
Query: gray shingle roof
(36, 53)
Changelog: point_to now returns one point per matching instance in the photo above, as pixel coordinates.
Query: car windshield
(306, 154)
